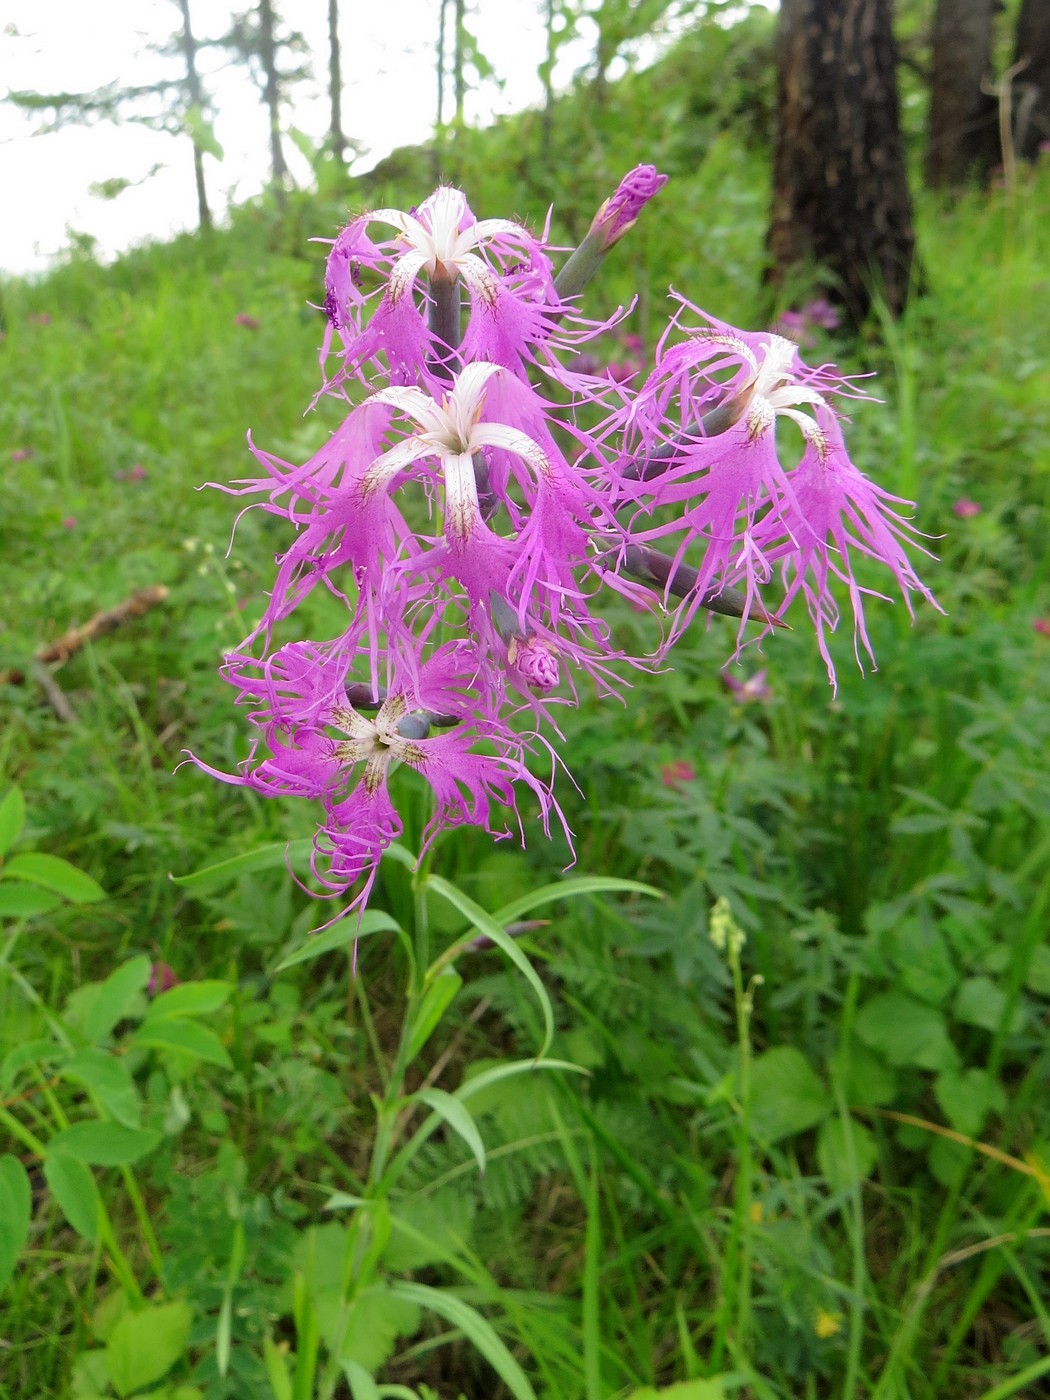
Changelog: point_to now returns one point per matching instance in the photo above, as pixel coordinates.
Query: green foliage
(817, 1164)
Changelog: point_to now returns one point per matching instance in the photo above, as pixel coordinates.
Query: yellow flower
(827, 1324)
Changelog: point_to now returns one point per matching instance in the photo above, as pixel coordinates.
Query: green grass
(752, 1181)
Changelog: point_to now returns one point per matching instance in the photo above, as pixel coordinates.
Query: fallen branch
(57, 653)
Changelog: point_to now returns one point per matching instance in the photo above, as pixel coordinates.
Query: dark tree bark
(1032, 83)
(964, 120)
(272, 95)
(196, 96)
(336, 135)
(459, 77)
(840, 193)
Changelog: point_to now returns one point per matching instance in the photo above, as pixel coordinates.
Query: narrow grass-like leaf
(347, 931)
(436, 1000)
(288, 854)
(573, 888)
(592, 1338)
(479, 1332)
(486, 924)
(458, 1119)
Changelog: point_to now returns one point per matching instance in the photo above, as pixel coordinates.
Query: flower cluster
(486, 481)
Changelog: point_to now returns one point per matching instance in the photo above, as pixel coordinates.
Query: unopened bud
(620, 211)
(536, 661)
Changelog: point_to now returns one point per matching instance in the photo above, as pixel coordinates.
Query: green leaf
(573, 888)
(377, 1317)
(144, 1345)
(348, 930)
(786, 1095)
(709, 1388)
(292, 854)
(190, 999)
(866, 1079)
(362, 1386)
(32, 1052)
(73, 1187)
(18, 901)
(12, 818)
(108, 1078)
(275, 1359)
(487, 925)
(115, 997)
(54, 873)
(846, 1152)
(436, 1000)
(186, 1037)
(458, 1119)
(982, 1002)
(16, 1204)
(906, 1032)
(1037, 978)
(480, 1333)
(967, 1098)
(103, 1144)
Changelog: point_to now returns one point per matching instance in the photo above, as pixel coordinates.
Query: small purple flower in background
(966, 509)
(40, 318)
(23, 454)
(69, 523)
(753, 690)
(1042, 626)
(679, 771)
(248, 322)
(162, 978)
(134, 473)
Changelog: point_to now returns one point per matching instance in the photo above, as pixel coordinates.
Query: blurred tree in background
(963, 130)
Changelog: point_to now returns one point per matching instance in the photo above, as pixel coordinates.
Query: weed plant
(810, 1153)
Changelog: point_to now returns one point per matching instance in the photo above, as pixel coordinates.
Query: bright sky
(388, 53)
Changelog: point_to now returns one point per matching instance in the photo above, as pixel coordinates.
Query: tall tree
(840, 193)
(963, 137)
(1032, 83)
(336, 136)
(176, 105)
(195, 93)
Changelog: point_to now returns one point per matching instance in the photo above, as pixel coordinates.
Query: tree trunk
(964, 123)
(459, 79)
(840, 193)
(196, 96)
(1032, 83)
(272, 96)
(336, 135)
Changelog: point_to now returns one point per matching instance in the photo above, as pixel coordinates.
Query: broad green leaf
(786, 1095)
(73, 1187)
(16, 1204)
(458, 1119)
(12, 818)
(573, 888)
(377, 1318)
(144, 1345)
(54, 873)
(436, 1000)
(968, 1097)
(480, 1333)
(18, 901)
(846, 1152)
(292, 854)
(1038, 977)
(401, 854)
(486, 924)
(115, 997)
(190, 999)
(348, 930)
(982, 1002)
(185, 1036)
(428, 1229)
(108, 1078)
(866, 1079)
(103, 1144)
(708, 1388)
(906, 1031)
(32, 1052)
